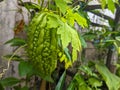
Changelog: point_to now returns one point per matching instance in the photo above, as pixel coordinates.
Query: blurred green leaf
(86, 69)
(78, 83)
(83, 43)
(61, 82)
(9, 81)
(24, 68)
(112, 81)
(1, 87)
(16, 42)
(66, 50)
(80, 20)
(15, 57)
(94, 82)
(103, 3)
(117, 38)
(89, 36)
(24, 88)
(111, 5)
(20, 88)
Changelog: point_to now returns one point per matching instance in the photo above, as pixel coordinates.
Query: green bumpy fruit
(42, 46)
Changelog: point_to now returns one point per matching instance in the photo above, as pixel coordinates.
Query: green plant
(50, 34)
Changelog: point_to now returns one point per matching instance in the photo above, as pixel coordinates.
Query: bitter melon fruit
(42, 45)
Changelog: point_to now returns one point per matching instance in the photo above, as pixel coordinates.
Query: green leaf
(77, 80)
(66, 50)
(103, 3)
(86, 70)
(16, 42)
(72, 17)
(89, 36)
(1, 87)
(69, 35)
(117, 45)
(94, 82)
(62, 5)
(10, 81)
(80, 20)
(111, 5)
(24, 88)
(83, 43)
(61, 82)
(117, 38)
(15, 57)
(112, 81)
(24, 68)
(78, 83)
(53, 21)
(39, 1)
(30, 5)
(20, 88)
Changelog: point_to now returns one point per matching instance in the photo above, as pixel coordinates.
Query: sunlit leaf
(111, 5)
(53, 21)
(62, 5)
(103, 3)
(80, 20)
(69, 35)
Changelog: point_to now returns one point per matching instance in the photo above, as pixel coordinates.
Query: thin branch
(97, 25)
(92, 7)
(102, 15)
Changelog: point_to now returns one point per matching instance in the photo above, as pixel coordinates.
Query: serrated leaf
(80, 20)
(16, 42)
(72, 17)
(24, 68)
(112, 81)
(53, 21)
(69, 35)
(10, 81)
(61, 82)
(62, 5)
